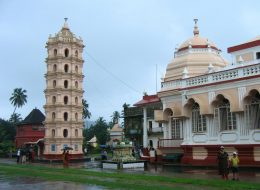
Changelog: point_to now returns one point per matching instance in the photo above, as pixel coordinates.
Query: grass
(120, 180)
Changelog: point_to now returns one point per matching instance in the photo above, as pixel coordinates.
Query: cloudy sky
(124, 40)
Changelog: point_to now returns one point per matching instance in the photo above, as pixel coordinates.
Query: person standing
(223, 163)
(18, 154)
(234, 161)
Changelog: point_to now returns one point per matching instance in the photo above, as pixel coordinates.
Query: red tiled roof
(147, 99)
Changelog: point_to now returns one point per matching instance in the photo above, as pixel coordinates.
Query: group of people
(225, 164)
(24, 155)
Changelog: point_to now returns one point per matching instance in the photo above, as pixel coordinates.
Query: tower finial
(196, 28)
(66, 24)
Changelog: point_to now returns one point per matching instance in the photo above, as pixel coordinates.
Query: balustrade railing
(225, 75)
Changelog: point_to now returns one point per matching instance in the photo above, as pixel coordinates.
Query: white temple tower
(64, 92)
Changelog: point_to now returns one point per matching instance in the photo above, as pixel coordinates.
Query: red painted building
(31, 130)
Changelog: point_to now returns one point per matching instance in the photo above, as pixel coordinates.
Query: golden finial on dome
(196, 28)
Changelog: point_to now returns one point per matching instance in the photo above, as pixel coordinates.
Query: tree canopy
(86, 113)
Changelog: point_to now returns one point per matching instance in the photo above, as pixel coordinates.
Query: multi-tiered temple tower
(64, 91)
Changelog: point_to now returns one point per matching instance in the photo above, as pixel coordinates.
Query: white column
(145, 138)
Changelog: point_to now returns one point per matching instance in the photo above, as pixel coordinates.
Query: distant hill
(89, 123)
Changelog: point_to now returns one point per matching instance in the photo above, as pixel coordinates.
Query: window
(198, 121)
(53, 147)
(54, 67)
(66, 53)
(76, 147)
(76, 69)
(176, 128)
(160, 124)
(55, 52)
(150, 125)
(65, 99)
(76, 53)
(76, 132)
(53, 132)
(53, 115)
(252, 112)
(65, 133)
(258, 55)
(76, 116)
(53, 99)
(76, 100)
(54, 84)
(65, 116)
(76, 84)
(66, 68)
(224, 119)
(66, 84)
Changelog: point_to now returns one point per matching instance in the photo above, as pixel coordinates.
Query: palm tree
(115, 117)
(15, 118)
(18, 98)
(86, 113)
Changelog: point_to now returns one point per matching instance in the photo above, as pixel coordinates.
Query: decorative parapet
(211, 78)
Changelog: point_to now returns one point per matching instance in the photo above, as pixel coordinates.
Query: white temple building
(208, 102)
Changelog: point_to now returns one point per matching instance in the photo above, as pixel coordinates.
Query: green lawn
(120, 180)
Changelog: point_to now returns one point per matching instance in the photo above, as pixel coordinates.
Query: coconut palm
(86, 113)
(115, 117)
(18, 98)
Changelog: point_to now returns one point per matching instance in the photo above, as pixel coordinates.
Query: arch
(76, 53)
(76, 132)
(53, 132)
(224, 118)
(76, 69)
(76, 116)
(53, 99)
(76, 100)
(55, 52)
(66, 84)
(65, 100)
(65, 116)
(66, 52)
(252, 109)
(54, 83)
(76, 84)
(53, 116)
(231, 95)
(54, 68)
(65, 133)
(66, 68)
(251, 94)
(167, 112)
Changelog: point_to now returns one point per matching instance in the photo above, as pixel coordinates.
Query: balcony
(155, 130)
(169, 143)
(243, 71)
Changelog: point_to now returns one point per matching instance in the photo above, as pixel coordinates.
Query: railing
(167, 143)
(225, 75)
(155, 130)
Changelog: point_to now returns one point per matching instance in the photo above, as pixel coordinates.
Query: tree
(18, 98)
(101, 132)
(15, 118)
(86, 113)
(7, 136)
(125, 106)
(115, 117)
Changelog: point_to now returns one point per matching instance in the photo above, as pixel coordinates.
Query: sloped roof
(147, 99)
(35, 117)
(116, 128)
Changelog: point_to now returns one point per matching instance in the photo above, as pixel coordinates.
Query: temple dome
(194, 57)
